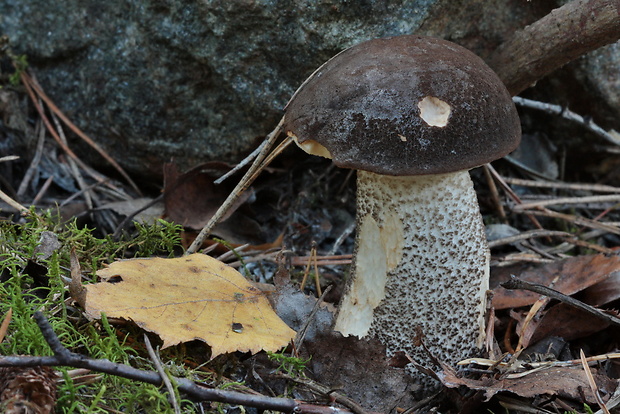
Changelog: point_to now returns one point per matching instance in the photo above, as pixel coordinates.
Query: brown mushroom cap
(406, 105)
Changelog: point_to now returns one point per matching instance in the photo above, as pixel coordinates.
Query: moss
(24, 292)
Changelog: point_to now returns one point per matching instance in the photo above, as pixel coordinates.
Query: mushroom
(412, 114)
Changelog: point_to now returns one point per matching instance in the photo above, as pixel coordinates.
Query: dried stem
(32, 87)
(239, 189)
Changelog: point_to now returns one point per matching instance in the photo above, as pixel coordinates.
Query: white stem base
(421, 260)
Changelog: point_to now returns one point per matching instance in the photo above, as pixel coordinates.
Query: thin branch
(36, 159)
(238, 190)
(592, 246)
(562, 185)
(130, 217)
(511, 193)
(5, 197)
(52, 130)
(9, 158)
(566, 33)
(73, 168)
(62, 353)
(322, 389)
(592, 383)
(162, 373)
(64, 357)
(577, 220)
(301, 335)
(242, 163)
(598, 199)
(530, 234)
(567, 114)
(516, 283)
(499, 206)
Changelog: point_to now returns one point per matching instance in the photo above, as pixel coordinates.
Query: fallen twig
(130, 217)
(322, 389)
(301, 335)
(567, 114)
(5, 197)
(499, 206)
(243, 184)
(511, 193)
(592, 360)
(242, 163)
(592, 246)
(561, 185)
(28, 85)
(592, 383)
(615, 198)
(564, 34)
(516, 283)
(576, 220)
(63, 357)
(162, 373)
(42, 190)
(526, 235)
(89, 196)
(34, 163)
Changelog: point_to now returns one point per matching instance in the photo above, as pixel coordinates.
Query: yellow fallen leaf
(192, 297)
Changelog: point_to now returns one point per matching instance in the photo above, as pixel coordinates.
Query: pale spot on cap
(434, 111)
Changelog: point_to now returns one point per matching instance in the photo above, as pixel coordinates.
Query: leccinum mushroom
(412, 114)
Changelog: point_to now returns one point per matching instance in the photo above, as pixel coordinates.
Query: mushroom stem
(421, 259)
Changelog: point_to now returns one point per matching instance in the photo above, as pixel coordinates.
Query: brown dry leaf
(528, 324)
(191, 198)
(567, 322)
(188, 298)
(576, 274)
(565, 382)
(604, 292)
(5, 324)
(76, 289)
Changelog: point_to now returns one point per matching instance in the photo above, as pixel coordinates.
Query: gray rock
(599, 73)
(153, 80)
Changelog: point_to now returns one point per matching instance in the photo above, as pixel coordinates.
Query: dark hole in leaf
(115, 279)
(237, 327)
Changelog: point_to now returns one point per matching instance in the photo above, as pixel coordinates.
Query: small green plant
(20, 63)
(24, 293)
(292, 366)
(160, 238)
(586, 410)
(229, 246)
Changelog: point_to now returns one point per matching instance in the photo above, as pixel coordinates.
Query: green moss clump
(24, 290)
